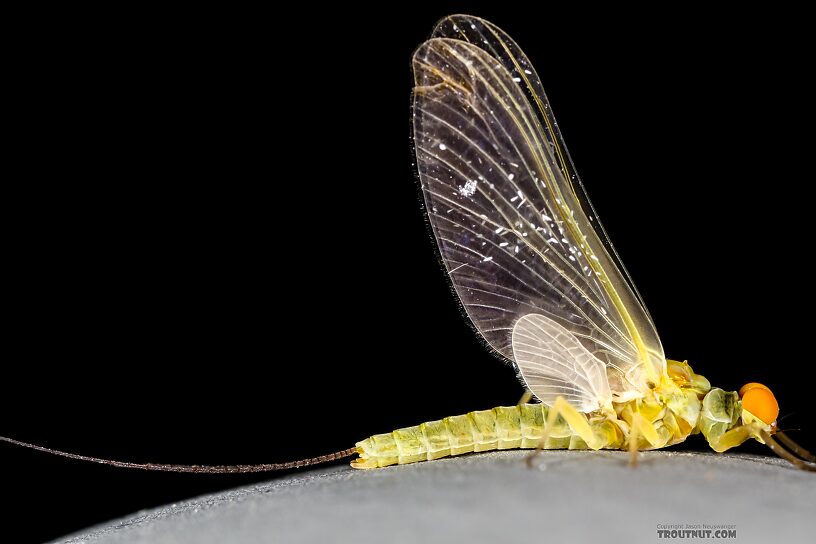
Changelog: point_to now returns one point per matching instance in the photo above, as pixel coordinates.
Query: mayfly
(539, 281)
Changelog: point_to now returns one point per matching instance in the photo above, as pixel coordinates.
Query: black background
(214, 250)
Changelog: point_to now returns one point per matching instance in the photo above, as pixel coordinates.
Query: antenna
(195, 469)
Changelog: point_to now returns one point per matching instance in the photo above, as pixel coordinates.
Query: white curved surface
(571, 497)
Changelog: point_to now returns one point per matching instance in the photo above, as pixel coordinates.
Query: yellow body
(683, 404)
(502, 428)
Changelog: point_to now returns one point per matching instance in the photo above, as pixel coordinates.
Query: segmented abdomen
(501, 428)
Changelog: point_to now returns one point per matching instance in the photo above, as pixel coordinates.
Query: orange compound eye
(753, 385)
(759, 401)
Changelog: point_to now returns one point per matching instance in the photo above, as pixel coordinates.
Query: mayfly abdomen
(501, 428)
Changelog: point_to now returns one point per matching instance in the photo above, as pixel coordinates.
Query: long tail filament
(197, 469)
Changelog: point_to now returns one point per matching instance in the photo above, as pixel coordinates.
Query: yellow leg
(634, 431)
(576, 420)
(640, 427)
(526, 397)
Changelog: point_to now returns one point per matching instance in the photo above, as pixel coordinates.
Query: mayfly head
(759, 405)
(760, 409)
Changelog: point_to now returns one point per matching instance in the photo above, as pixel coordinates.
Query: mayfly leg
(795, 448)
(640, 427)
(526, 397)
(576, 421)
(552, 416)
(634, 430)
(785, 454)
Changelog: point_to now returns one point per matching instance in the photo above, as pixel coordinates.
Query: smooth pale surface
(572, 496)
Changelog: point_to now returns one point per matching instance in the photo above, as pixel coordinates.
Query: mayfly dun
(539, 281)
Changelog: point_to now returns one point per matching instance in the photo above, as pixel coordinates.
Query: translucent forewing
(511, 230)
(493, 40)
(502, 47)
